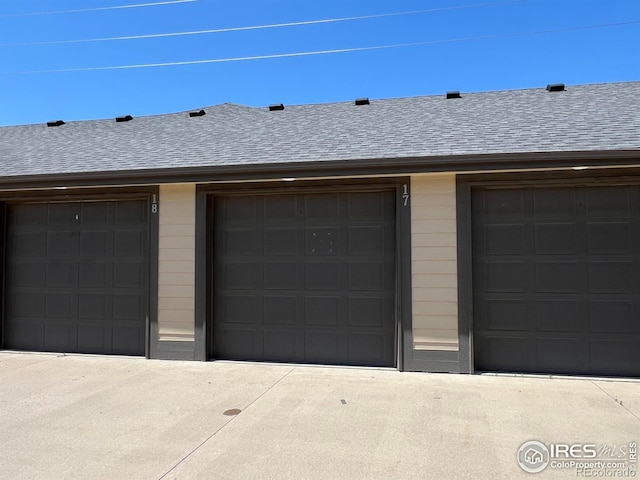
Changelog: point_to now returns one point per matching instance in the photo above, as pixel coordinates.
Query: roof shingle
(601, 117)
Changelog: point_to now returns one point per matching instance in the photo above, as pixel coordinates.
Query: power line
(324, 52)
(98, 9)
(260, 27)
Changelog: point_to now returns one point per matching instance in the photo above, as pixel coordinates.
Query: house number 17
(405, 194)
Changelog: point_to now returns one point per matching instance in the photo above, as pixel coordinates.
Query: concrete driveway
(66, 417)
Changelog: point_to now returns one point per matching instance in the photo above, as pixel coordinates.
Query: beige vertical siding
(434, 262)
(176, 264)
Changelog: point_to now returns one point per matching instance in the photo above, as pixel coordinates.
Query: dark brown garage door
(557, 279)
(76, 277)
(305, 278)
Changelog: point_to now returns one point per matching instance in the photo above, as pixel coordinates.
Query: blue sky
(595, 55)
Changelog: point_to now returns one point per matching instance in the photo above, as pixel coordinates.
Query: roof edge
(338, 168)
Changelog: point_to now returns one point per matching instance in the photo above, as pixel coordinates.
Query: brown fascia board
(342, 168)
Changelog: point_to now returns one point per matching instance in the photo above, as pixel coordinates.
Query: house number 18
(154, 204)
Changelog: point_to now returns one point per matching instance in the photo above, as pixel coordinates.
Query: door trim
(464, 213)
(145, 193)
(205, 197)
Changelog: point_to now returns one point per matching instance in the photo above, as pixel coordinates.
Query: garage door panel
(237, 344)
(59, 337)
(369, 347)
(567, 352)
(322, 347)
(366, 276)
(322, 311)
(61, 244)
(611, 277)
(503, 202)
(241, 241)
(503, 315)
(29, 215)
(93, 306)
(127, 306)
(129, 243)
(559, 277)
(94, 244)
(60, 274)
(280, 275)
(28, 244)
(322, 241)
(241, 275)
(554, 201)
(608, 200)
(367, 206)
(239, 209)
(610, 237)
(280, 345)
(93, 258)
(62, 214)
(58, 305)
(572, 295)
(322, 275)
(367, 311)
(279, 309)
(557, 316)
(322, 207)
(279, 241)
(281, 207)
(129, 214)
(94, 214)
(512, 352)
(28, 274)
(24, 304)
(125, 275)
(366, 241)
(25, 334)
(505, 276)
(556, 238)
(504, 239)
(241, 308)
(612, 316)
(614, 357)
(126, 339)
(326, 271)
(93, 338)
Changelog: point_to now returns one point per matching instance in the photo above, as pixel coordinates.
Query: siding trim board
(434, 266)
(205, 198)
(434, 336)
(176, 262)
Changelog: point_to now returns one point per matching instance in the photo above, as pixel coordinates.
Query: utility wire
(98, 9)
(261, 27)
(325, 52)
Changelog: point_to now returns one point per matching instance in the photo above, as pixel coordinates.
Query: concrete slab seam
(194, 450)
(619, 402)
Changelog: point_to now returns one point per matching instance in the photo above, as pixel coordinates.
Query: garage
(76, 277)
(556, 278)
(305, 277)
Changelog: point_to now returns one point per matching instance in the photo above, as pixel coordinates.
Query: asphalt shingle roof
(602, 117)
